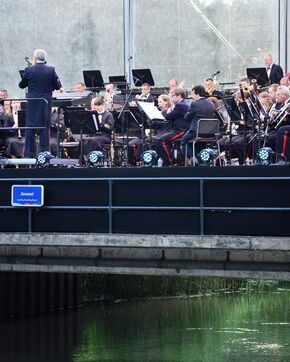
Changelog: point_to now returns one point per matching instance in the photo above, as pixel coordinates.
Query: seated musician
(173, 84)
(237, 144)
(134, 149)
(109, 95)
(14, 141)
(165, 106)
(179, 125)
(145, 95)
(211, 88)
(280, 95)
(201, 107)
(282, 122)
(106, 119)
(285, 81)
(80, 87)
(6, 120)
(265, 100)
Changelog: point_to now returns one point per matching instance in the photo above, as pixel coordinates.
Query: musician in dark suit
(283, 122)
(179, 125)
(274, 71)
(41, 80)
(106, 120)
(135, 145)
(199, 108)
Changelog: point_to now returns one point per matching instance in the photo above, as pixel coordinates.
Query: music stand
(119, 81)
(141, 76)
(82, 122)
(93, 80)
(21, 114)
(259, 74)
(232, 108)
(234, 116)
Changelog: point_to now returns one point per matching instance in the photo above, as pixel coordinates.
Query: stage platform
(231, 200)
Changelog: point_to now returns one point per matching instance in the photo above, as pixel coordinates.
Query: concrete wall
(77, 35)
(174, 38)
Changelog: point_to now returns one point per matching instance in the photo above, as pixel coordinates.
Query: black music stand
(93, 80)
(119, 81)
(234, 115)
(82, 122)
(21, 114)
(259, 74)
(141, 76)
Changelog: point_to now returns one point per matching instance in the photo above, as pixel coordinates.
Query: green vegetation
(112, 287)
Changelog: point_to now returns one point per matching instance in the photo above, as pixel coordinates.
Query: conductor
(41, 80)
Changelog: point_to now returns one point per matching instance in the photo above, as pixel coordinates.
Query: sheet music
(151, 111)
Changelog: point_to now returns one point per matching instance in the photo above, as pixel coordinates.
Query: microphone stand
(122, 117)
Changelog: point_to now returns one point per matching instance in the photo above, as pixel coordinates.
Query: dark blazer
(276, 74)
(41, 80)
(176, 116)
(202, 108)
(107, 123)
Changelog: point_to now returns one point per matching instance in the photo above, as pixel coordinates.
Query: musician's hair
(145, 85)
(200, 90)
(178, 92)
(284, 90)
(98, 101)
(207, 79)
(166, 99)
(274, 86)
(245, 79)
(40, 54)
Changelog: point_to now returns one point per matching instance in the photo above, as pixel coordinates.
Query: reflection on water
(234, 327)
(237, 327)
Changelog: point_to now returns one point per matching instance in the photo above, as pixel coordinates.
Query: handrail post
(201, 205)
(110, 211)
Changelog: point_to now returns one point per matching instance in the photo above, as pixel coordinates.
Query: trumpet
(30, 61)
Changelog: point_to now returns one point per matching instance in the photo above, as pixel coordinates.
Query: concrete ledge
(145, 241)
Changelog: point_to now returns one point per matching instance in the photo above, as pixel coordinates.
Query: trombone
(282, 114)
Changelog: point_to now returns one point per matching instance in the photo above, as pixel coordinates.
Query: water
(224, 327)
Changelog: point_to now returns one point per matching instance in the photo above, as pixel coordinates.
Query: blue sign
(27, 195)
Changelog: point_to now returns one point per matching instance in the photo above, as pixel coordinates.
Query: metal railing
(110, 206)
